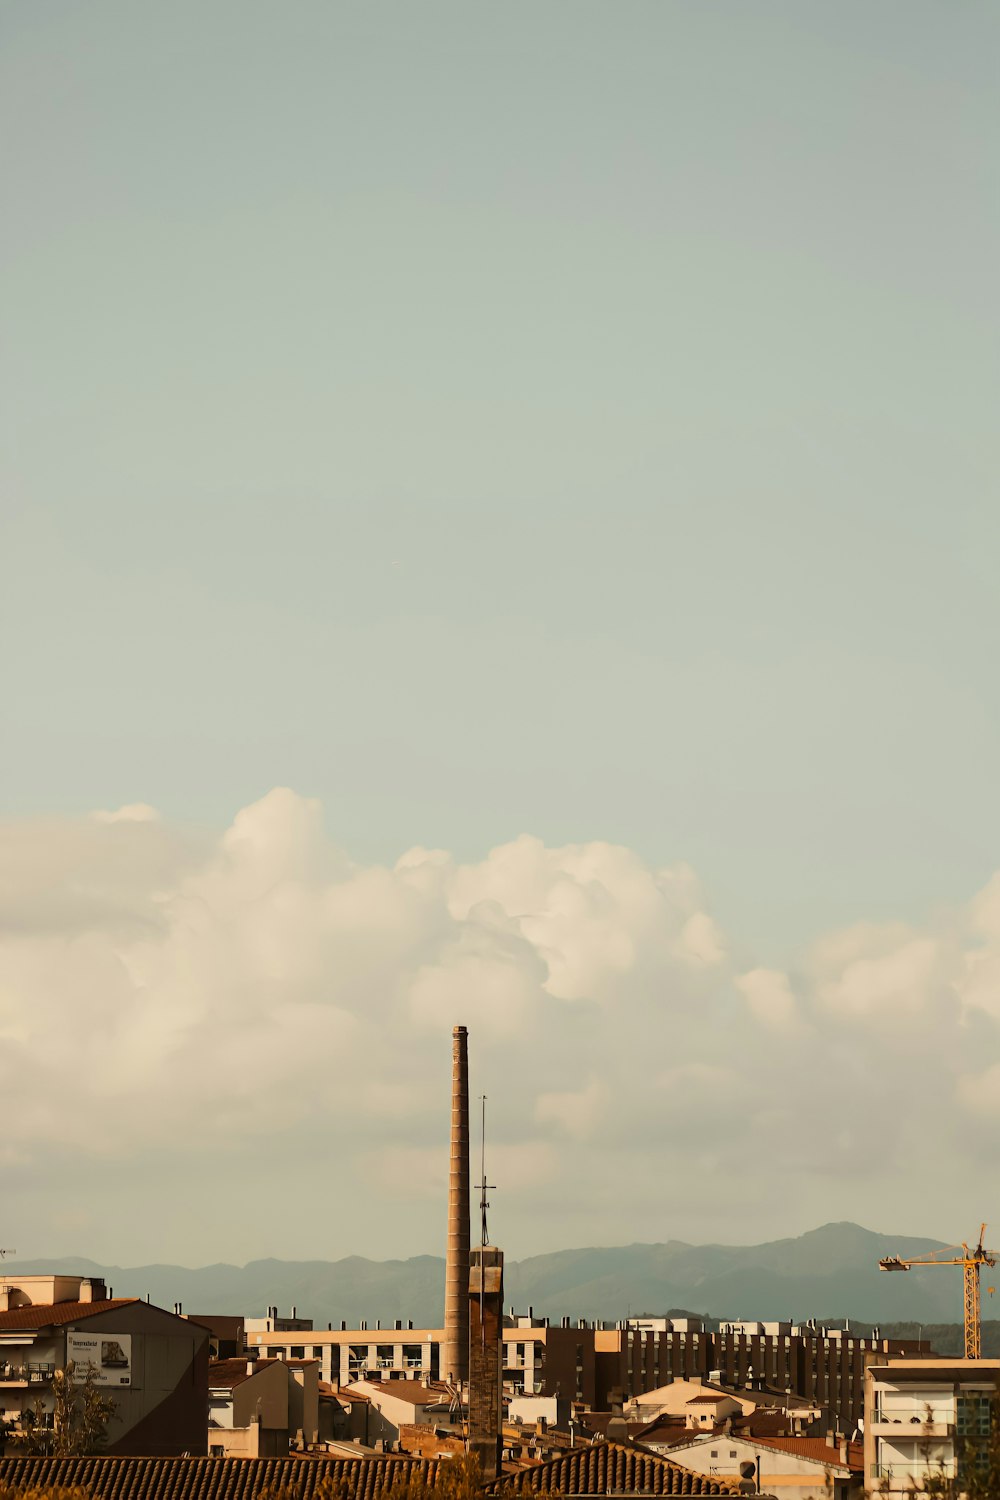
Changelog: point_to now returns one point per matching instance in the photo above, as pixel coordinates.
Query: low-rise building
(262, 1408)
(796, 1468)
(400, 1403)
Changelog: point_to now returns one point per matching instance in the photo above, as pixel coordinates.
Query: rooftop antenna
(484, 1203)
(3, 1279)
(484, 1186)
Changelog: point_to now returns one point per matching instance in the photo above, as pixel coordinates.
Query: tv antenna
(3, 1279)
(484, 1186)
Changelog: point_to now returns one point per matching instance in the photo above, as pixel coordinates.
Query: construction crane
(970, 1261)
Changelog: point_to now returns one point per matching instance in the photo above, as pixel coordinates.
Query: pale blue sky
(549, 417)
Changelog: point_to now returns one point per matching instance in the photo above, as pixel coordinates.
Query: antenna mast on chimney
(484, 1186)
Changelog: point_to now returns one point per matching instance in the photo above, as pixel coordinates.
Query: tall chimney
(455, 1354)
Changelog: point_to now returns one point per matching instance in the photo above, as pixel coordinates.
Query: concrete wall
(263, 1396)
(303, 1403)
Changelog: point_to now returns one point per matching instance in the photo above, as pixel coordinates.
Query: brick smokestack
(455, 1354)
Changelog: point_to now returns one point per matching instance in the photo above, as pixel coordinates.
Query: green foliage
(80, 1417)
(457, 1479)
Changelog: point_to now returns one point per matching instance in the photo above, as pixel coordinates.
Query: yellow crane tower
(970, 1261)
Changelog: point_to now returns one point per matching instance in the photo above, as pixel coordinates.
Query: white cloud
(769, 996)
(132, 812)
(165, 997)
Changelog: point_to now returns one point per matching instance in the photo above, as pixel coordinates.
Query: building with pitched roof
(796, 1468)
(400, 1403)
(152, 1363)
(602, 1470)
(261, 1408)
(610, 1469)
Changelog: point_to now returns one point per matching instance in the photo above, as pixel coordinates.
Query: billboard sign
(109, 1356)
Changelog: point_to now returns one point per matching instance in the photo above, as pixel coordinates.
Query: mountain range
(830, 1273)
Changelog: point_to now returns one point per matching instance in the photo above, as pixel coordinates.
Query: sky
(498, 524)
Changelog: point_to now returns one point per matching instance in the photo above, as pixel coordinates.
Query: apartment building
(927, 1417)
(824, 1365)
(395, 1352)
(538, 1358)
(152, 1363)
(596, 1364)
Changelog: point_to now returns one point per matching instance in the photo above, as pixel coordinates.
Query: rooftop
(411, 1391)
(227, 1374)
(609, 1468)
(55, 1314)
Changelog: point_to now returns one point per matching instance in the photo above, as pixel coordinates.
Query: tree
(457, 1479)
(80, 1417)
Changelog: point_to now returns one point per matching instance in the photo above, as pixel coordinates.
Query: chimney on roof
(455, 1353)
(177, 1309)
(843, 1450)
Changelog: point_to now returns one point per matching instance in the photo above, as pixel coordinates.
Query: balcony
(908, 1474)
(31, 1373)
(904, 1426)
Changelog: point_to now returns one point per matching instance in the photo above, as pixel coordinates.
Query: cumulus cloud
(257, 1012)
(769, 996)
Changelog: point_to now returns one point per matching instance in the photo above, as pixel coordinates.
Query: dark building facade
(825, 1366)
(485, 1358)
(153, 1364)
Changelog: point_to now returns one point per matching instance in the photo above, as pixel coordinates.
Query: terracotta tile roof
(819, 1449)
(54, 1314)
(585, 1471)
(108, 1478)
(229, 1373)
(607, 1467)
(410, 1391)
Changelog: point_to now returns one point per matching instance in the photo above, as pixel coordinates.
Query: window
(297, 1351)
(973, 1416)
(317, 1351)
(732, 1453)
(275, 1353)
(715, 1452)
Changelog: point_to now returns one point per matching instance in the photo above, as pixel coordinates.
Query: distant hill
(830, 1272)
